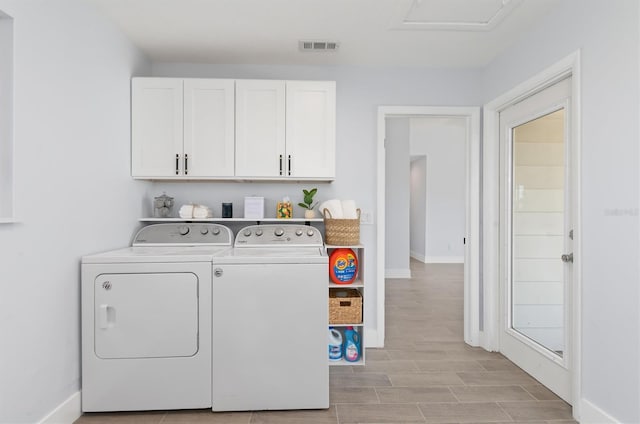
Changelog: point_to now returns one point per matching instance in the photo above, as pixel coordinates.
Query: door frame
(570, 65)
(472, 292)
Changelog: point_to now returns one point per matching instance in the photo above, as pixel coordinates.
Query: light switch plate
(366, 217)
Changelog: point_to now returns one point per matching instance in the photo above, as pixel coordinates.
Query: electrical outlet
(366, 218)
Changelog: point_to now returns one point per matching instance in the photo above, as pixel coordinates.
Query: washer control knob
(247, 233)
(184, 230)
(204, 230)
(215, 231)
(298, 232)
(258, 232)
(279, 232)
(310, 233)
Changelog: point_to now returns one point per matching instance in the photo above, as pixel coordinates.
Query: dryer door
(146, 315)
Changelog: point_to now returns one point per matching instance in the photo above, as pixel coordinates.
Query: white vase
(309, 214)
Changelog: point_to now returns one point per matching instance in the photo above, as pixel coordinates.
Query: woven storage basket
(341, 232)
(345, 306)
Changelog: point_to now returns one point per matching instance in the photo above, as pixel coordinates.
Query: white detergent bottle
(335, 344)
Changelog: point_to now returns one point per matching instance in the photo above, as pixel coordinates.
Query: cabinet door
(311, 129)
(156, 127)
(208, 128)
(260, 128)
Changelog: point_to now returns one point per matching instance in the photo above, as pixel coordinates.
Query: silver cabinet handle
(186, 164)
(218, 272)
(289, 168)
(177, 164)
(567, 258)
(280, 164)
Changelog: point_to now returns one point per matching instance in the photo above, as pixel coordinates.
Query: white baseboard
(65, 413)
(418, 256)
(397, 273)
(444, 260)
(591, 414)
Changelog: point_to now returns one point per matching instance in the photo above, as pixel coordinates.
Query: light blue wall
(607, 34)
(73, 192)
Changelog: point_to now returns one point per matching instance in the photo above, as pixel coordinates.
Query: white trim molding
(472, 227)
(65, 413)
(444, 259)
(418, 256)
(397, 273)
(569, 66)
(591, 414)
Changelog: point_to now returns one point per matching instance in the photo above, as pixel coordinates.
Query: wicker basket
(341, 232)
(345, 306)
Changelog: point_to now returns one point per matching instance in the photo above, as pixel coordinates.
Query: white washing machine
(270, 321)
(146, 320)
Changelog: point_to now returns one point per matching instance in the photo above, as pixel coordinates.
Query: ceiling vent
(318, 46)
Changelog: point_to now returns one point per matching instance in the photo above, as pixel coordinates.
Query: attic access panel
(456, 15)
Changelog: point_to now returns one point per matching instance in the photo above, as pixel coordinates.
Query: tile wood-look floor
(425, 373)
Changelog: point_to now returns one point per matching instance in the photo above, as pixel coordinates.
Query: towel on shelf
(334, 206)
(349, 210)
(186, 211)
(202, 212)
(192, 211)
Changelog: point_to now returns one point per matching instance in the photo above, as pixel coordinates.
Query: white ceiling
(441, 33)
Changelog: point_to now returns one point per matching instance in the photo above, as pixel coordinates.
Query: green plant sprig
(308, 199)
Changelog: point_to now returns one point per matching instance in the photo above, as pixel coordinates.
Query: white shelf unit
(359, 285)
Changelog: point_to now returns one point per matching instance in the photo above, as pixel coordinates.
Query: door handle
(280, 164)
(567, 258)
(186, 164)
(289, 167)
(177, 164)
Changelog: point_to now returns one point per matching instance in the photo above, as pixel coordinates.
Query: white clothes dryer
(146, 320)
(270, 308)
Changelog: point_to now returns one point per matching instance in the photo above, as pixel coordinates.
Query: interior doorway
(471, 236)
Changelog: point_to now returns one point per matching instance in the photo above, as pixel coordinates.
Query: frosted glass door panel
(537, 230)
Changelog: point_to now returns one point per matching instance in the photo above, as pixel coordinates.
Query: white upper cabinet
(217, 129)
(260, 128)
(311, 129)
(285, 129)
(156, 127)
(208, 128)
(182, 128)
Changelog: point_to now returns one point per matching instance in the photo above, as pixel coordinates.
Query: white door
(156, 127)
(536, 236)
(311, 129)
(208, 128)
(260, 128)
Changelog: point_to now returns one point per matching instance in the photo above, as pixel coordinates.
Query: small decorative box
(284, 210)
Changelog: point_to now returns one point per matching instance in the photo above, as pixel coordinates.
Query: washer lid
(256, 255)
(146, 254)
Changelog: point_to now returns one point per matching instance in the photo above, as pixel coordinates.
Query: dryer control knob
(247, 233)
(279, 232)
(204, 230)
(184, 230)
(215, 231)
(258, 233)
(310, 233)
(298, 233)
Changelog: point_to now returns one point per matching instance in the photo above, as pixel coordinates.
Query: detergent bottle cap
(349, 328)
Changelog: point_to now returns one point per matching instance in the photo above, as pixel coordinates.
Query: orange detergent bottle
(343, 266)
